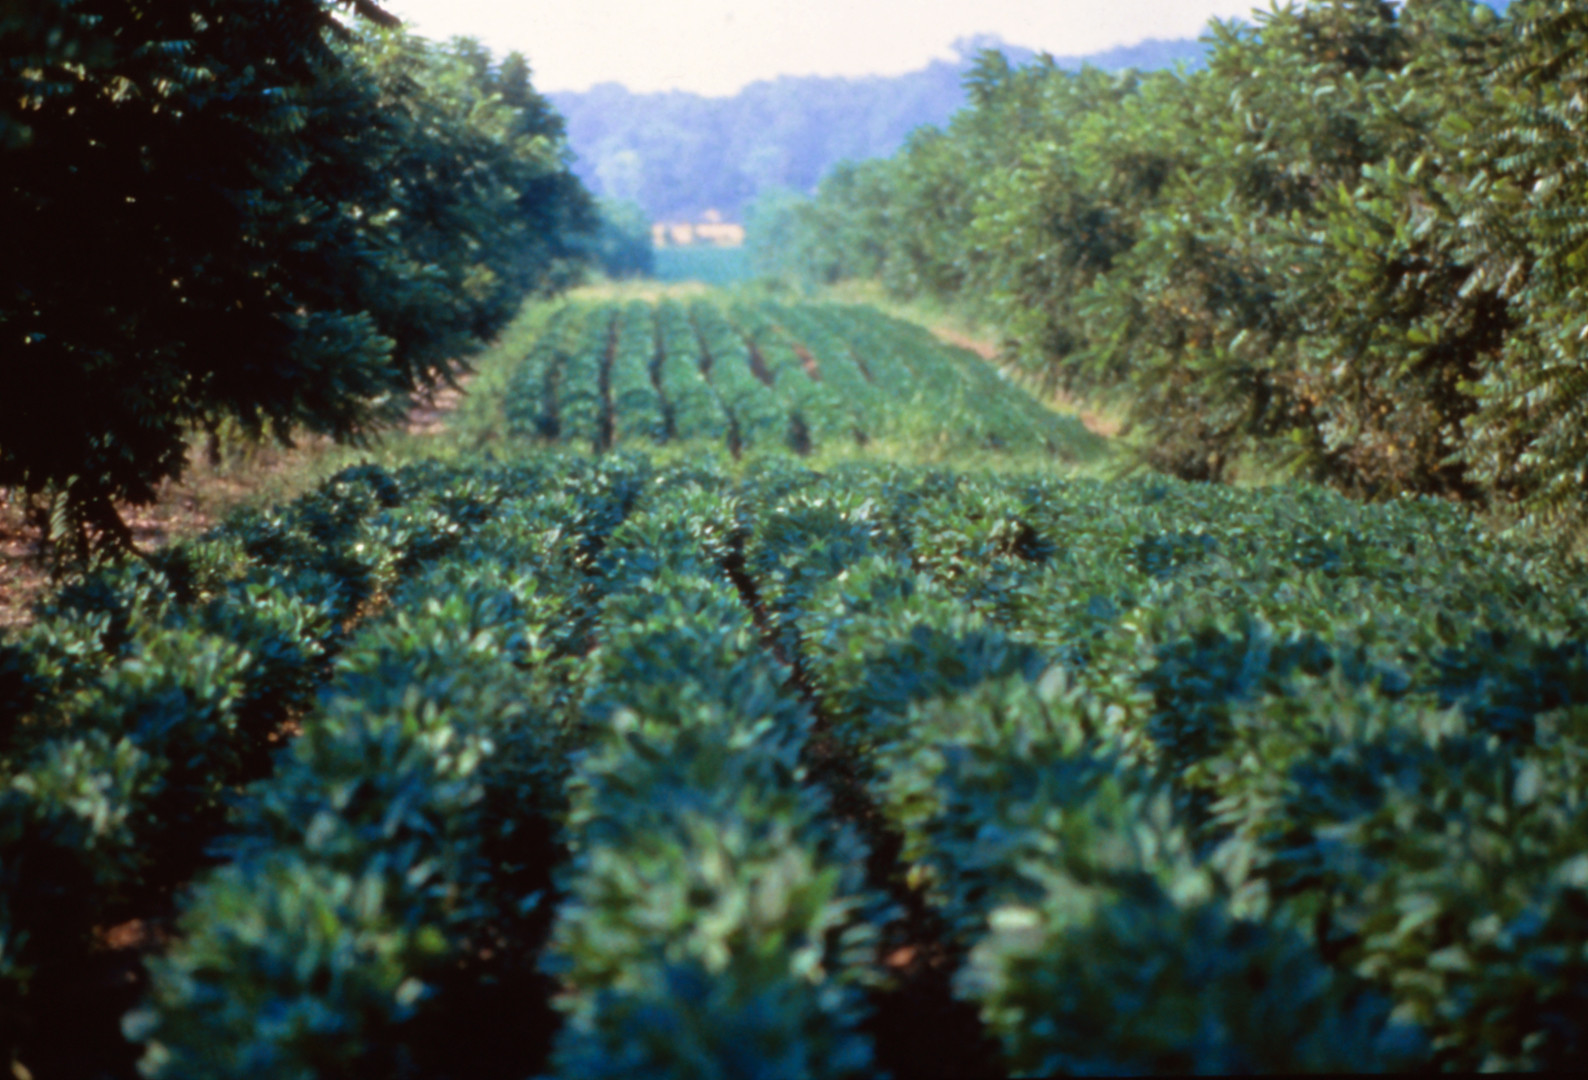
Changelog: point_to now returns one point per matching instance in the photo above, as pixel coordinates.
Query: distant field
(710, 265)
(768, 376)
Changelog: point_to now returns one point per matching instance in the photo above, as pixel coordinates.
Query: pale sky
(717, 46)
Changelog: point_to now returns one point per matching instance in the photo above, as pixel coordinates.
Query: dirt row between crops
(918, 1027)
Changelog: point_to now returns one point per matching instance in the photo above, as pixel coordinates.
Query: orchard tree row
(1354, 244)
(272, 215)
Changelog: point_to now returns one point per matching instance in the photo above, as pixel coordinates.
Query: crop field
(593, 765)
(766, 376)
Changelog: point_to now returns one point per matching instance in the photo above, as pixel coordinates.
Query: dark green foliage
(1193, 778)
(142, 698)
(1248, 680)
(1522, 224)
(1401, 836)
(638, 411)
(247, 212)
(376, 821)
(707, 896)
(1126, 981)
(1350, 245)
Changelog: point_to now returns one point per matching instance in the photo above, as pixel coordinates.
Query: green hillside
(679, 154)
(707, 715)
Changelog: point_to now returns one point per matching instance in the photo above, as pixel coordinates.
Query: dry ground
(184, 509)
(247, 476)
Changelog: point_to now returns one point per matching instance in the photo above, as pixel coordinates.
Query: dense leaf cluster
(707, 892)
(144, 694)
(1352, 244)
(359, 870)
(1197, 779)
(280, 216)
(1206, 780)
(717, 918)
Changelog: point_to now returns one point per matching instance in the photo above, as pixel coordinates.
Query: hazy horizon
(717, 47)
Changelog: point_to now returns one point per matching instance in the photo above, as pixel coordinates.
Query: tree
(1522, 223)
(1290, 252)
(280, 212)
(621, 246)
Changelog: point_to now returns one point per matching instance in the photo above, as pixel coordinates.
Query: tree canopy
(283, 213)
(1351, 244)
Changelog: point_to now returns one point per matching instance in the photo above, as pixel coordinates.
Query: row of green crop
(716, 921)
(762, 375)
(142, 694)
(971, 400)
(1198, 779)
(712, 911)
(759, 417)
(636, 405)
(872, 398)
(820, 415)
(358, 871)
(580, 407)
(1210, 780)
(145, 691)
(1097, 943)
(528, 405)
(694, 409)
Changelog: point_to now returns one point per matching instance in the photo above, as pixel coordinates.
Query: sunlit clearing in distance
(717, 46)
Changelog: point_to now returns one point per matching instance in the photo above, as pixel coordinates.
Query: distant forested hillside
(678, 154)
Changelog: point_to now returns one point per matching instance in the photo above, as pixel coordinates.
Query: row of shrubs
(717, 919)
(144, 692)
(637, 408)
(694, 409)
(1207, 779)
(358, 872)
(1197, 778)
(1348, 245)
